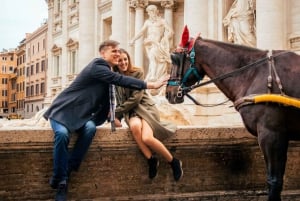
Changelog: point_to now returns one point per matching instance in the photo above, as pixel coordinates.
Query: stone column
(64, 52)
(270, 25)
(119, 22)
(139, 6)
(48, 98)
(86, 32)
(168, 5)
(196, 17)
(294, 18)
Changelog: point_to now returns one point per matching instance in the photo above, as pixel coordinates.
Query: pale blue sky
(18, 17)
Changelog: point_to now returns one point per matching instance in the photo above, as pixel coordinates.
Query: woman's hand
(118, 123)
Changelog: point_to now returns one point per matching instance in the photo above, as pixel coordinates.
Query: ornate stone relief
(167, 3)
(295, 42)
(56, 50)
(138, 3)
(72, 45)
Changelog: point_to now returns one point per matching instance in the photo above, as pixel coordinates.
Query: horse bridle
(182, 88)
(182, 78)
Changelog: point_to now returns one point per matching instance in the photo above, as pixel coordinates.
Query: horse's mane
(232, 46)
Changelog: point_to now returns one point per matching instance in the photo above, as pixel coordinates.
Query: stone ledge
(189, 133)
(215, 160)
(35, 138)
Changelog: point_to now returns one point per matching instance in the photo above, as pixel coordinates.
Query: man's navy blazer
(87, 97)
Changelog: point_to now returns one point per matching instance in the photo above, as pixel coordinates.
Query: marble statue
(157, 35)
(240, 21)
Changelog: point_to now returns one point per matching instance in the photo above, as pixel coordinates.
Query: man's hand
(159, 83)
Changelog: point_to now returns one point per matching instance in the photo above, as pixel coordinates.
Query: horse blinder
(174, 91)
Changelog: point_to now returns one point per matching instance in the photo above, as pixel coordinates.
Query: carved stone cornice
(138, 3)
(50, 3)
(167, 3)
(295, 42)
(56, 50)
(72, 44)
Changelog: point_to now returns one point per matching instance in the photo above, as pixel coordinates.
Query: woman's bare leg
(153, 143)
(135, 125)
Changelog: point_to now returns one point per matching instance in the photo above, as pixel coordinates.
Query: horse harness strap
(278, 98)
(225, 75)
(264, 98)
(192, 69)
(270, 77)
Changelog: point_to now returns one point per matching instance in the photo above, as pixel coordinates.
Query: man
(158, 35)
(81, 107)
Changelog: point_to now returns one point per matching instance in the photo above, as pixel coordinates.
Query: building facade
(20, 80)
(8, 63)
(76, 29)
(35, 71)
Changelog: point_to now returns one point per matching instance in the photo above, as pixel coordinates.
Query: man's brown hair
(107, 43)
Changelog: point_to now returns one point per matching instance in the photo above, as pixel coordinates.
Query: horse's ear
(184, 37)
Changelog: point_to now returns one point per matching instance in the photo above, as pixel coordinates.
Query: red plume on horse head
(184, 37)
(187, 41)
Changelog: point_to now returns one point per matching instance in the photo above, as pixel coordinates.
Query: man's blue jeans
(63, 161)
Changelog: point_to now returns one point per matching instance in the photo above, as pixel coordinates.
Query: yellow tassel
(277, 98)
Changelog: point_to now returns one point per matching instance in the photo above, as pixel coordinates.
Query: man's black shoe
(53, 182)
(177, 168)
(61, 193)
(153, 165)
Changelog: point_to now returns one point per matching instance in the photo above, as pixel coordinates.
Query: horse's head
(184, 73)
(185, 69)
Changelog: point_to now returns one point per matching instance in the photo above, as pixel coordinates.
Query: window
(13, 84)
(32, 69)
(37, 68)
(31, 90)
(42, 88)
(27, 91)
(73, 62)
(27, 71)
(56, 65)
(4, 80)
(4, 92)
(43, 65)
(13, 98)
(5, 104)
(37, 89)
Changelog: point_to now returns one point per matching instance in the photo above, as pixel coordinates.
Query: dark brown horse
(240, 72)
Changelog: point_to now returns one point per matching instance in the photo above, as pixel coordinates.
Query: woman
(142, 118)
